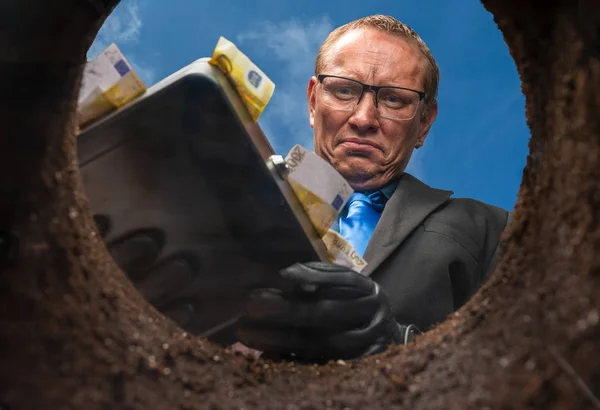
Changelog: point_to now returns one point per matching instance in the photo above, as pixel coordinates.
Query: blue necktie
(358, 223)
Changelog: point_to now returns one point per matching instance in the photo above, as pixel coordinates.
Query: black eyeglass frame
(368, 87)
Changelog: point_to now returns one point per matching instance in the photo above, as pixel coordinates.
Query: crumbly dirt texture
(75, 334)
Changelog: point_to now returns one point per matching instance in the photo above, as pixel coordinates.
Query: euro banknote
(108, 82)
(323, 192)
(250, 82)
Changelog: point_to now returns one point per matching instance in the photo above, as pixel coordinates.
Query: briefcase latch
(277, 165)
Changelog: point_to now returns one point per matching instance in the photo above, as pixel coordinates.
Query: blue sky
(478, 145)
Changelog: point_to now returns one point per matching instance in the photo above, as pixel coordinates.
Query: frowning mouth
(359, 144)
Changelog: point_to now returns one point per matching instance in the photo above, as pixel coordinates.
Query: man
(371, 102)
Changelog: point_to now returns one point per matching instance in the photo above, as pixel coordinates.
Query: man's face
(367, 149)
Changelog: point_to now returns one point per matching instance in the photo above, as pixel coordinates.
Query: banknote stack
(251, 84)
(108, 83)
(323, 193)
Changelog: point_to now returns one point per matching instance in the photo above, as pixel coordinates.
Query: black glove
(320, 311)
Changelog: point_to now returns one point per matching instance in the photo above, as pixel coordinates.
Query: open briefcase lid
(190, 202)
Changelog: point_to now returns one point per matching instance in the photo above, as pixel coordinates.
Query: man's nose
(365, 115)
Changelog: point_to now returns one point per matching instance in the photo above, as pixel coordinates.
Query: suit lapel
(410, 204)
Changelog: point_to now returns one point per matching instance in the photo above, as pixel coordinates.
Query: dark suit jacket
(430, 253)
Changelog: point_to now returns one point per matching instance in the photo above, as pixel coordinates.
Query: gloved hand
(320, 311)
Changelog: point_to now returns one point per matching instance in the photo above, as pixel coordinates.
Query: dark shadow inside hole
(9, 247)
(164, 280)
(181, 311)
(102, 224)
(136, 252)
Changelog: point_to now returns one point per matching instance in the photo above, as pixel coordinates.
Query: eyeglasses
(395, 103)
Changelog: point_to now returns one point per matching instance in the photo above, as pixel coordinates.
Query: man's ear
(311, 100)
(427, 121)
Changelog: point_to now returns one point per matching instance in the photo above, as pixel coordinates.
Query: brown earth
(75, 334)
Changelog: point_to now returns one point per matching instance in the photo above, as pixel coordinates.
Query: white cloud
(292, 42)
(123, 27)
(292, 46)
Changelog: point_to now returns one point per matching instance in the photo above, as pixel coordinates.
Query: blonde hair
(388, 24)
